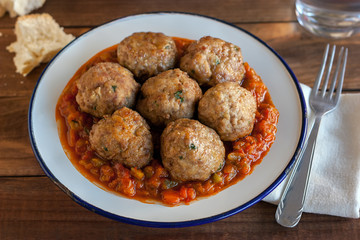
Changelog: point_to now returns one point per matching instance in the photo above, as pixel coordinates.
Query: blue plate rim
(179, 223)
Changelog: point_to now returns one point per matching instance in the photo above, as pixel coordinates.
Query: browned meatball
(146, 54)
(168, 96)
(191, 150)
(123, 137)
(229, 109)
(211, 61)
(106, 87)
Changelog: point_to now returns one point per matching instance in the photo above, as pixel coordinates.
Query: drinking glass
(329, 18)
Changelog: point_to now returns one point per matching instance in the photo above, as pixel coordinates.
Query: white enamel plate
(278, 77)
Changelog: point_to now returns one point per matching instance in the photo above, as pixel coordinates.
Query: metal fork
(290, 207)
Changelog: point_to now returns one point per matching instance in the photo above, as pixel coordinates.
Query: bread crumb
(38, 38)
(19, 7)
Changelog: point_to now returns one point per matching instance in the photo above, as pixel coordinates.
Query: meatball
(191, 150)
(146, 54)
(106, 87)
(123, 137)
(168, 96)
(229, 109)
(211, 61)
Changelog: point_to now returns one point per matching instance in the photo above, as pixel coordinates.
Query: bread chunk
(19, 7)
(39, 38)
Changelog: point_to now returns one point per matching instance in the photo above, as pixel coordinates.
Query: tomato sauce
(153, 183)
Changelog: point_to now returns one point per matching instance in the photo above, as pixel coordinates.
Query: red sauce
(153, 183)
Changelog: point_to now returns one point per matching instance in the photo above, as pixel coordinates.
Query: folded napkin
(334, 184)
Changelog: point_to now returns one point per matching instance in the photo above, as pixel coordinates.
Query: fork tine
(329, 67)
(342, 75)
(333, 84)
(321, 72)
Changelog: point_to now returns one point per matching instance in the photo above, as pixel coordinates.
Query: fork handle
(290, 208)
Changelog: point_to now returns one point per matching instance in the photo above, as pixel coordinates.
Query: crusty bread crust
(39, 38)
(19, 7)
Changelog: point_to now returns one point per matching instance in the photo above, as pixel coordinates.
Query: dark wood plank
(34, 208)
(16, 158)
(93, 12)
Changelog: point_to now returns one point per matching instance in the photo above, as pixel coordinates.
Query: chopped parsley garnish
(217, 61)
(219, 168)
(178, 95)
(192, 146)
(114, 87)
(106, 149)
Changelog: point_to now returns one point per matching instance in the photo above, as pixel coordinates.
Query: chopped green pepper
(216, 178)
(167, 184)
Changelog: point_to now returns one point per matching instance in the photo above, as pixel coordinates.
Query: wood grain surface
(33, 207)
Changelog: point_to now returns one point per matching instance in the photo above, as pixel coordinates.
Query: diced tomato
(171, 197)
(72, 137)
(187, 193)
(126, 186)
(81, 146)
(106, 173)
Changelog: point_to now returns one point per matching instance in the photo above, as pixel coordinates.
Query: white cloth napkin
(334, 184)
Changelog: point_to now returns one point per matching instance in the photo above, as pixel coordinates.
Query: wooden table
(32, 207)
